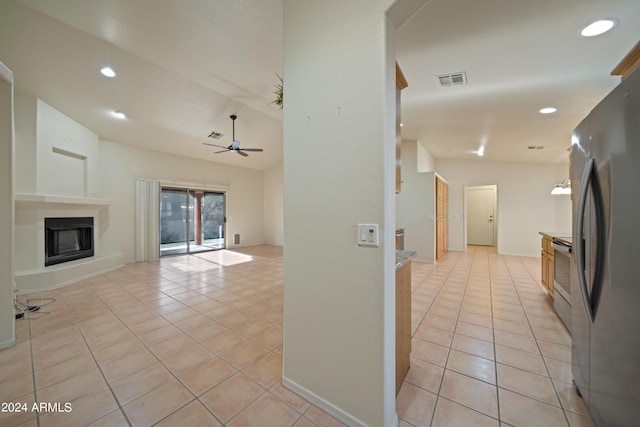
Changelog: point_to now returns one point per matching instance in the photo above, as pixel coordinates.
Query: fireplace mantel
(33, 200)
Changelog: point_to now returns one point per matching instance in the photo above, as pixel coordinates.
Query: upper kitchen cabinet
(629, 63)
(401, 83)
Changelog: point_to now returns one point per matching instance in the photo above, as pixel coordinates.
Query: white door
(480, 215)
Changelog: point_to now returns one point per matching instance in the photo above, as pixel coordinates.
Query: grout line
(94, 357)
(564, 412)
(495, 350)
(155, 356)
(444, 368)
(33, 371)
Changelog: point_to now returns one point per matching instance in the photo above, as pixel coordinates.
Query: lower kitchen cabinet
(403, 322)
(547, 264)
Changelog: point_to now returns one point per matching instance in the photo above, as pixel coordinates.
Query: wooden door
(442, 217)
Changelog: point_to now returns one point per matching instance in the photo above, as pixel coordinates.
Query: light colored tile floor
(488, 348)
(197, 341)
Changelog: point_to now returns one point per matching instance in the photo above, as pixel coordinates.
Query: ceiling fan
(235, 145)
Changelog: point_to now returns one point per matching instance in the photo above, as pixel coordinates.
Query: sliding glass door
(191, 221)
(173, 222)
(207, 218)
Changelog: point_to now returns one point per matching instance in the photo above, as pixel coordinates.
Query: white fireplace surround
(31, 210)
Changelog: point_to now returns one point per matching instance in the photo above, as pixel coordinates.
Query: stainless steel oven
(561, 281)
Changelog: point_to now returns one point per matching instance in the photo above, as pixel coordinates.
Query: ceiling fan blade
(221, 151)
(214, 145)
(251, 149)
(242, 153)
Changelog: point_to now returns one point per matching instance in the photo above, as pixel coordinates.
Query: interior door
(481, 215)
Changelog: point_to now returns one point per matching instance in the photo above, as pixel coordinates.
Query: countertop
(563, 236)
(403, 257)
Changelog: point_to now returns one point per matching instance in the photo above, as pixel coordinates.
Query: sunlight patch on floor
(225, 257)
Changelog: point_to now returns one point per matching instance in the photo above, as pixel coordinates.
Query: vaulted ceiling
(183, 67)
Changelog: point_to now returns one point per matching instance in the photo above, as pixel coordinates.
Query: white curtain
(147, 220)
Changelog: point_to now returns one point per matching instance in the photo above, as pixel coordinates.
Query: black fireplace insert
(67, 239)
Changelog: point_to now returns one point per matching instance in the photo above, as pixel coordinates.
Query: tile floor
(197, 341)
(488, 349)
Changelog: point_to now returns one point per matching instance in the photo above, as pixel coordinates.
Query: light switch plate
(368, 235)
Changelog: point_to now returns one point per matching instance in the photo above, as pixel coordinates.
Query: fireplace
(67, 239)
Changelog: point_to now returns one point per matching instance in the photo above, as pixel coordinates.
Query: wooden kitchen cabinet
(629, 63)
(403, 322)
(401, 83)
(442, 217)
(547, 264)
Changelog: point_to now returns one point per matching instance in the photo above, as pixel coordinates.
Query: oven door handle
(561, 248)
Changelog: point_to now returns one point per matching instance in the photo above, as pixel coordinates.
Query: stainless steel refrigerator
(605, 278)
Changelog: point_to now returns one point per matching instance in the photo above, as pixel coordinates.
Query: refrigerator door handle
(590, 180)
(579, 236)
(601, 229)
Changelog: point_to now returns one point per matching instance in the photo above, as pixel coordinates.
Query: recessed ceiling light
(401, 124)
(598, 27)
(548, 110)
(108, 72)
(119, 115)
(480, 152)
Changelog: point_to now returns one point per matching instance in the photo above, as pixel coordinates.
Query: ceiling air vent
(215, 135)
(453, 79)
(535, 147)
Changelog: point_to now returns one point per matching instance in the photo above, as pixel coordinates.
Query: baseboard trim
(7, 344)
(323, 404)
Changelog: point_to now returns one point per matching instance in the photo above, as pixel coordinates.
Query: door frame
(496, 216)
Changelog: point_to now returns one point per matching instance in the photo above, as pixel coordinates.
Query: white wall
(26, 111)
(7, 316)
(425, 162)
(67, 155)
(416, 203)
(120, 165)
(339, 170)
(55, 155)
(525, 205)
(274, 205)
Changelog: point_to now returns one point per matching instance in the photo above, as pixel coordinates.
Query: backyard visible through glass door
(191, 221)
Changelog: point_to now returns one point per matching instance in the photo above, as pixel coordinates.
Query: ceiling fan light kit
(235, 144)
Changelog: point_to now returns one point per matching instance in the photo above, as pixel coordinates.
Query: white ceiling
(185, 66)
(519, 56)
